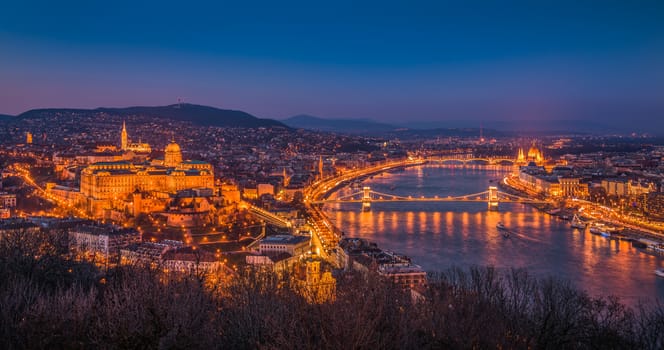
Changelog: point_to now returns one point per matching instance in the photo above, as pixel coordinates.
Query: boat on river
(659, 272)
(603, 230)
(657, 248)
(503, 229)
(578, 223)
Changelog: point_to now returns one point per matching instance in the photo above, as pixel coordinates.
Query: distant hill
(201, 115)
(5, 116)
(523, 127)
(447, 132)
(350, 126)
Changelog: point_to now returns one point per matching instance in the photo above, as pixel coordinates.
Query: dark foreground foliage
(50, 302)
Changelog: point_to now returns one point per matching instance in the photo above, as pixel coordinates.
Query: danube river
(441, 235)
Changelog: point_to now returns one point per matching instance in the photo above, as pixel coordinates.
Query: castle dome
(172, 155)
(172, 147)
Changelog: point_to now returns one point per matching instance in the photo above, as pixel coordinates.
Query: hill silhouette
(350, 126)
(197, 114)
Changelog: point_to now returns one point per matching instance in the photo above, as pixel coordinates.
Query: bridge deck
(484, 200)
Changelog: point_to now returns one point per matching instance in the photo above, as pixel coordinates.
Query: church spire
(123, 137)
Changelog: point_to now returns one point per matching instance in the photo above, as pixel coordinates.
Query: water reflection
(440, 235)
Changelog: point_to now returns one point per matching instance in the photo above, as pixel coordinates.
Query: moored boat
(578, 223)
(657, 248)
(603, 230)
(596, 228)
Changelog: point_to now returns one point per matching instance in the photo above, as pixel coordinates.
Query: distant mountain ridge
(197, 114)
(350, 126)
(547, 127)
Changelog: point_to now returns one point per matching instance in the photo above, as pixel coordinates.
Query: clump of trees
(47, 301)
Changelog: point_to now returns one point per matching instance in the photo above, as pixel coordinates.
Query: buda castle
(115, 185)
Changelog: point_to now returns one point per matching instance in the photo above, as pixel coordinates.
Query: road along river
(441, 235)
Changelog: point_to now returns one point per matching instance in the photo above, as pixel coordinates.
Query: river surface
(442, 235)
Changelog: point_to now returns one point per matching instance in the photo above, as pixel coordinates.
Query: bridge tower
(366, 198)
(493, 198)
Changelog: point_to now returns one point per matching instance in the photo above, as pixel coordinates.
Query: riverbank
(439, 235)
(649, 242)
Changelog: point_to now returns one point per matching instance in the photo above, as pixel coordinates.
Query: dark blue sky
(386, 60)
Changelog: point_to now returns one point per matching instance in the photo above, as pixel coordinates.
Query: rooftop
(284, 239)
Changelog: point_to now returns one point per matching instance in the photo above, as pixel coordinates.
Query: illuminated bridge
(491, 196)
(466, 159)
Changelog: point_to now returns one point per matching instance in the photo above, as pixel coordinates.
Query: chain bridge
(492, 196)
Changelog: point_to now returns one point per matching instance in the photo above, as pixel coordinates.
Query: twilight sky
(385, 60)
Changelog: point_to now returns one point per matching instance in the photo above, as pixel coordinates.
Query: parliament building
(116, 185)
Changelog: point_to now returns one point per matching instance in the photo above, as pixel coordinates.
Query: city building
(100, 243)
(653, 205)
(137, 147)
(293, 245)
(315, 283)
(571, 186)
(534, 155)
(190, 260)
(7, 200)
(170, 257)
(616, 187)
(400, 270)
(10, 226)
(365, 256)
(189, 212)
(110, 185)
(147, 253)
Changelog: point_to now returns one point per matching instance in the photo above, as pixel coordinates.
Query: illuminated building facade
(101, 243)
(171, 257)
(623, 187)
(537, 180)
(316, 284)
(571, 186)
(293, 245)
(7, 200)
(404, 274)
(108, 185)
(653, 205)
(534, 155)
(125, 145)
